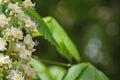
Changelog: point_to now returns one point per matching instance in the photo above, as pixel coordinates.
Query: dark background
(94, 27)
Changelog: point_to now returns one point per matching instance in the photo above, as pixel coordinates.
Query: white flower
(22, 17)
(25, 54)
(14, 7)
(1, 1)
(28, 41)
(22, 51)
(4, 59)
(3, 20)
(28, 4)
(28, 22)
(20, 47)
(31, 25)
(6, 33)
(30, 72)
(17, 33)
(2, 44)
(15, 75)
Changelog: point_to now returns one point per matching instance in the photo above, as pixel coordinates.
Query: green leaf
(36, 34)
(66, 46)
(84, 71)
(1, 8)
(1, 75)
(55, 71)
(41, 70)
(54, 33)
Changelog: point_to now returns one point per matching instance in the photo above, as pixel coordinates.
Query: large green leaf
(84, 71)
(55, 71)
(41, 70)
(54, 33)
(66, 46)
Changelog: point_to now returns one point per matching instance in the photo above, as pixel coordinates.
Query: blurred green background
(94, 27)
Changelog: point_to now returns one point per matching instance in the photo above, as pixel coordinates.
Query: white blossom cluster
(16, 43)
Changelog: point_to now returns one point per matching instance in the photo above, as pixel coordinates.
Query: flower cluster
(16, 43)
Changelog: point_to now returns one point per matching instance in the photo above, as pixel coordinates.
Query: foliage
(79, 72)
(84, 71)
(49, 28)
(66, 46)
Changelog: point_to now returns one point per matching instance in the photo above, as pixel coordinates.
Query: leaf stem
(55, 62)
(10, 46)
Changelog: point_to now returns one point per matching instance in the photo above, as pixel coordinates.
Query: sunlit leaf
(66, 46)
(41, 70)
(1, 75)
(55, 71)
(84, 71)
(36, 34)
(54, 33)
